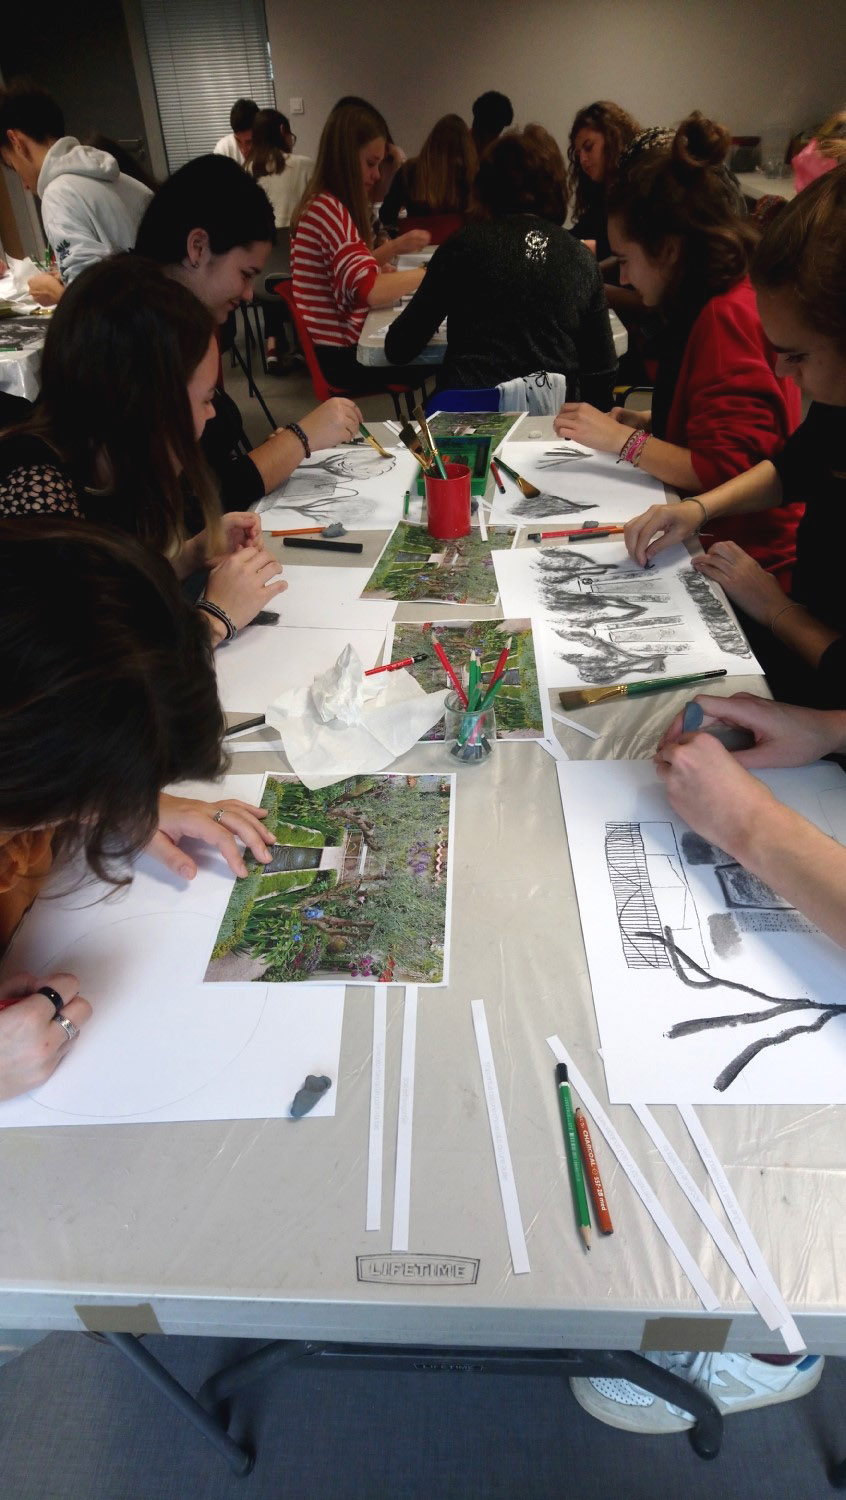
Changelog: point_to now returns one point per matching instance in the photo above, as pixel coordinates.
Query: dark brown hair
(523, 172)
(616, 127)
(803, 249)
(121, 347)
(442, 174)
(107, 690)
(680, 189)
(268, 153)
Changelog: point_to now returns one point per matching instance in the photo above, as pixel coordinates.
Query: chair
(438, 226)
(486, 399)
(322, 389)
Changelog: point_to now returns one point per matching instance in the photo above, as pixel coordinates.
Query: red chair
(438, 226)
(322, 389)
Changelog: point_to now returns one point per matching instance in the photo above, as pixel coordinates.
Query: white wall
(763, 67)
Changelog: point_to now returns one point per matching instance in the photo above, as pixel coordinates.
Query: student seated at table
(211, 227)
(127, 383)
(338, 273)
(236, 145)
(439, 180)
(493, 112)
(800, 276)
(89, 208)
(518, 292)
(107, 695)
(599, 135)
(719, 404)
(276, 169)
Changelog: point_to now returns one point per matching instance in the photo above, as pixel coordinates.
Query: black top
(520, 294)
(593, 224)
(812, 468)
(225, 447)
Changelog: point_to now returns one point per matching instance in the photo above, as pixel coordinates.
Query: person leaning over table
(107, 695)
(210, 227)
(439, 180)
(799, 272)
(518, 292)
(338, 274)
(127, 383)
(599, 135)
(238, 143)
(719, 403)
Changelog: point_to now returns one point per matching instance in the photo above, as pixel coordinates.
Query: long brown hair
(680, 189)
(121, 347)
(268, 155)
(337, 168)
(523, 172)
(442, 174)
(802, 249)
(617, 128)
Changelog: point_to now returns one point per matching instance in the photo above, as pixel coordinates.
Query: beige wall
(765, 67)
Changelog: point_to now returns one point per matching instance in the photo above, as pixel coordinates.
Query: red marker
(449, 669)
(497, 476)
(600, 1202)
(394, 666)
(584, 533)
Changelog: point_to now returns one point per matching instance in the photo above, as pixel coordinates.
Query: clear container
(469, 738)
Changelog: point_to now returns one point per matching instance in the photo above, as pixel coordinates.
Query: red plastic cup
(448, 503)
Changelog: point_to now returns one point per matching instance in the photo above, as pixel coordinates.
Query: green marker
(571, 1141)
(406, 502)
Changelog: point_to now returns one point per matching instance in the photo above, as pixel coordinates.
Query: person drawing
(271, 161)
(719, 402)
(439, 179)
(798, 636)
(599, 135)
(107, 694)
(237, 144)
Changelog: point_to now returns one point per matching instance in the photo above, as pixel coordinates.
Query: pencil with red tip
(394, 666)
(449, 669)
(501, 664)
(600, 1202)
(584, 533)
(497, 476)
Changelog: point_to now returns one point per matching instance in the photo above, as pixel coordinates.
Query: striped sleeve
(333, 272)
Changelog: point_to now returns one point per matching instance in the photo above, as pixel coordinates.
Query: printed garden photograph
(414, 566)
(519, 715)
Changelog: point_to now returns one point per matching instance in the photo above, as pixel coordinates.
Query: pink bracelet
(633, 447)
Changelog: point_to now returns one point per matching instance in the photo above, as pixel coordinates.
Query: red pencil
(497, 476)
(581, 531)
(449, 669)
(394, 666)
(500, 666)
(600, 1202)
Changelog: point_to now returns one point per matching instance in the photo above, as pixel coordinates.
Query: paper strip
(752, 1250)
(483, 529)
(377, 1107)
(502, 1155)
(402, 1181)
(553, 747)
(574, 724)
(252, 747)
(726, 1246)
(663, 1223)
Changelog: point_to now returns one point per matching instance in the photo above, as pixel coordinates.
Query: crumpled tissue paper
(346, 723)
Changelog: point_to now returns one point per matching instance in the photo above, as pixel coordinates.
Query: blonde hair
(831, 137)
(337, 169)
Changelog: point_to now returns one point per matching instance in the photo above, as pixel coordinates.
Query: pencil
(406, 502)
(449, 669)
(571, 1141)
(497, 476)
(600, 1202)
(394, 666)
(299, 531)
(501, 663)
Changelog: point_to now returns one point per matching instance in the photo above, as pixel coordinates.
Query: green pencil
(406, 502)
(491, 693)
(571, 1141)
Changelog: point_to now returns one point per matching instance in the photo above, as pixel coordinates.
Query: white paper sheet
(354, 485)
(265, 660)
(160, 1045)
(376, 1138)
(405, 1114)
(639, 870)
(648, 1197)
(591, 487)
(328, 599)
(502, 1154)
(601, 618)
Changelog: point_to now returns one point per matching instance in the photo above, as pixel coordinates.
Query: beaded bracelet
(296, 429)
(633, 447)
(219, 614)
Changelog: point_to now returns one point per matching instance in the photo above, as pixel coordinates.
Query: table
(253, 1228)
(371, 343)
(757, 185)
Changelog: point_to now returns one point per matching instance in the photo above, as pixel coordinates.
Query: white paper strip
(663, 1223)
(252, 747)
(377, 1108)
(574, 724)
(725, 1244)
(402, 1182)
(752, 1250)
(553, 747)
(483, 529)
(502, 1155)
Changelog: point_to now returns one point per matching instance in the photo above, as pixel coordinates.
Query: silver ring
(218, 817)
(67, 1026)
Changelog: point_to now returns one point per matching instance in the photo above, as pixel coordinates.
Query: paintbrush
(531, 491)
(583, 697)
(414, 445)
(434, 455)
(374, 442)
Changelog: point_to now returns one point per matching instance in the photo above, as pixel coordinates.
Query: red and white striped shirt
(333, 272)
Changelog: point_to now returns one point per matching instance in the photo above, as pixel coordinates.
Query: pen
(394, 666)
(600, 1202)
(497, 476)
(577, 1180)
(320, 544)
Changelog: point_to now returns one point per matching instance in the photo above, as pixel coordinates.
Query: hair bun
(699, 143)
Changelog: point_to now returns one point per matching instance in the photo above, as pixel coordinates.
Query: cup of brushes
(447, 485)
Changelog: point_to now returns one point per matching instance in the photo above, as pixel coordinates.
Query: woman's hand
(336, 421)
(596, 429)
(410, 242)
(187, 818)
(238, 528)
(45, 288)
(32, 1043)
(784, 735)
(640, 421)
(660, 527)
(242, 584)
(745, 581)
(714, 794)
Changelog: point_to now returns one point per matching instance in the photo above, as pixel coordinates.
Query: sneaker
(735, 1382)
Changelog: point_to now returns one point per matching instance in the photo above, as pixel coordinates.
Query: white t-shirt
(228, 146)
(285, 189)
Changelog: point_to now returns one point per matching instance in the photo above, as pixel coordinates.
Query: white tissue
(20, 272)
(346, 723)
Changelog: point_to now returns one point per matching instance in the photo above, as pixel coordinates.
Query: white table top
(757, 185)
(371, 344)
(253, 1228)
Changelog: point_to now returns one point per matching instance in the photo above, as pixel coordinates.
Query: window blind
(205, 54)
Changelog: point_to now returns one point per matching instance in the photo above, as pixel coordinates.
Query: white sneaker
(735, 1382)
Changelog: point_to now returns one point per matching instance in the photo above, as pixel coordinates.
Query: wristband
(296, 429)
(219, 614)
(633, 447)
(705, 515)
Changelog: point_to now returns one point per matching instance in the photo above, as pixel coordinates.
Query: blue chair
(483, 400)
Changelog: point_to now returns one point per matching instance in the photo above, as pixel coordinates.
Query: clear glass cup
(469, 738)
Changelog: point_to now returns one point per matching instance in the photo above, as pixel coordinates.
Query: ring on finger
(53, 996)
(67, 1026)
(218, 817)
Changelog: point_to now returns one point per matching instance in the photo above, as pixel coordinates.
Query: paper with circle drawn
(161, 1045)
(355, 485)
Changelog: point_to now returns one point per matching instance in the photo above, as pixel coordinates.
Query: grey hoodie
(89, 207)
